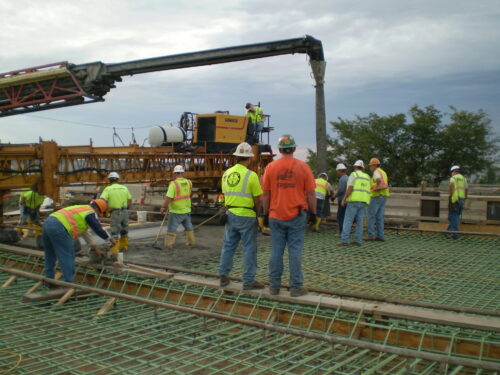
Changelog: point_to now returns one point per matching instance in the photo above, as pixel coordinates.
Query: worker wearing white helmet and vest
(458, 192)
(242, 195)
(323, 188)
(357, 199)
(119, 200)
(341, 190)
(178, 201)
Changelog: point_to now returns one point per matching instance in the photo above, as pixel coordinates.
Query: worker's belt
(248, 208)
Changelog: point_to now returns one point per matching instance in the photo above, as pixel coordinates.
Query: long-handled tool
(210, 218)
(159, 232)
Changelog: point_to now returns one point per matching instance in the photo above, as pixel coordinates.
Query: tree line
(415, 147)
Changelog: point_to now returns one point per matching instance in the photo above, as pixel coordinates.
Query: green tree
(414, 147)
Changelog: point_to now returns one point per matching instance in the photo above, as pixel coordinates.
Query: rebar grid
(422, 267)
(138, 339)
(437, 338)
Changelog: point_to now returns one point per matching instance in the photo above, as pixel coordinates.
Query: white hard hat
(178, 169)
(359, 163)
(454, 168)
(341, 167)
(244, 150)
(114, 175)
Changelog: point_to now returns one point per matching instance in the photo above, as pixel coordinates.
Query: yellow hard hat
(374, 161)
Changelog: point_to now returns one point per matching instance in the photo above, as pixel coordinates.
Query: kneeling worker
(178, 201)
(119, 199)
(242, 194)
(64, 226)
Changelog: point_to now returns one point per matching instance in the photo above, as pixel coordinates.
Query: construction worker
(289, 192)
(458, 193)
(357, 199)
(341, 190)
(119, 199)
(178, 201)
(242, 198)
(256, 116)
(30, 202)
(66, 225)
(323, 188)
(379, 188)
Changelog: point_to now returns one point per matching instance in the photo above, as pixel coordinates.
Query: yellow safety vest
(321, 188)
(361, 188)
(257, 116)
(32, 199)
(459, 183)
(382, 189)
(181, 202)
(237, 195)
(73, 219)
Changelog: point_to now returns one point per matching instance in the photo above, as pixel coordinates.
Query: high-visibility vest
(382, 189)
(182, 198)
(257, 116)
(237, 195)
(321, 188)
(459, 183)
(32, 199)
(361, 188)
(73, 219)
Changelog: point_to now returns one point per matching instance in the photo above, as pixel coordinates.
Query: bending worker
(379, 187)
(63, 227)
(357, 199)
(242, 194)
(178, 201)
(458, 190)
(323, 188)
(256, 116)
(118, 198)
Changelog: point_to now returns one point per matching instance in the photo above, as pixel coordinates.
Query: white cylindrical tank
(163, 135)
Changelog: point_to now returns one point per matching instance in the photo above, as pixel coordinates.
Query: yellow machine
(220, 132)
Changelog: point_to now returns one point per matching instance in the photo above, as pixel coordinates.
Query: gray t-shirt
(342, 187)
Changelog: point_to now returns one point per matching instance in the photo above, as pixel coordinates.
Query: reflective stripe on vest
(381, 189)
(243, 188)
(360, 191)
(321, 188)
(178, 197)
(69, 215)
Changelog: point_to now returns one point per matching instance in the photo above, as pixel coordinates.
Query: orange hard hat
(374, 161)
(101, 204)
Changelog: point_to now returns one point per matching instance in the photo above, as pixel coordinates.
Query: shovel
(159, 232)
(210, 218)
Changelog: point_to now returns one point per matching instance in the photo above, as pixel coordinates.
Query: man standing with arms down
(178, 201)
(342, 188)
(118, 198)
(323, 188)
(288, 193)
(379, 188)
(242, 194)
(357, 199)
(458, 191)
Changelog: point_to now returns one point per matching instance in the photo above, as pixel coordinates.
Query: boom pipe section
(325, 322)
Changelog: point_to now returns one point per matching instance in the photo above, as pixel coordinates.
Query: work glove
(312, 218)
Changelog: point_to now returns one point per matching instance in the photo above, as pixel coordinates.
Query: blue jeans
(245, 229)
(174, 220)
(58, 244)
(376, 211)
(287, 233)
(354, 210)
(340, 215)
(28, 213)
(454, 217)
(320, 203)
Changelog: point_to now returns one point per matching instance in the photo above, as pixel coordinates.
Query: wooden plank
(52, 294)
(105, 308)
(384, 309)
(158, 273)
(66, 296)
(9, 281)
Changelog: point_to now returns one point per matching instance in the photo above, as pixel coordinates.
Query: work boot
(115, 249)
(190, 238)
(274, 291)
(123, 243)
(342, 244)
(224, 281)
(169, 240)
(37, 230)
(317, 224)
(298, 292)
(253, 286)
(369, 239)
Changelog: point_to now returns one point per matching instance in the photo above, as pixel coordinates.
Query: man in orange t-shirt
(288, 194)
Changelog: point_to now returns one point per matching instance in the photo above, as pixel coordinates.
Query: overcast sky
(382, 56)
